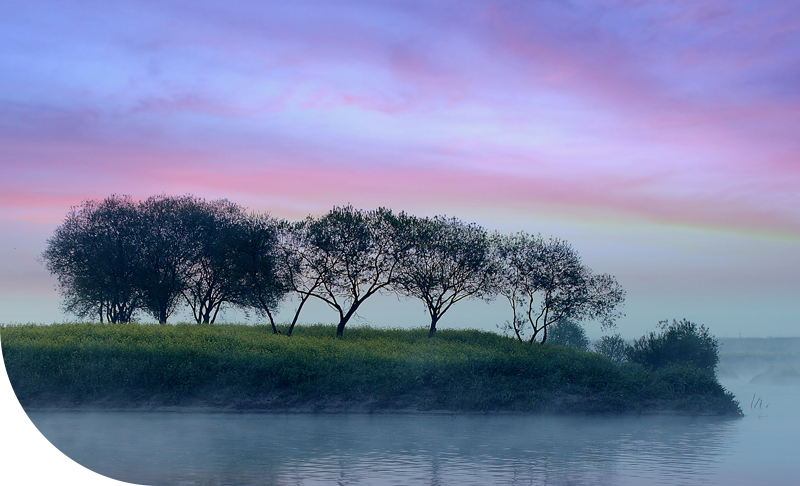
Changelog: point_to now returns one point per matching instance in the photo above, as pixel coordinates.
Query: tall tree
(353, 253)
(305, 272)
(447, 261)
(545, 281)
(258, 260)
(95, 256)
(168, 234)
(214, 279)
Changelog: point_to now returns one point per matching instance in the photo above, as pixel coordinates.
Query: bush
(680, 343)
(568, 333)
(613, 348)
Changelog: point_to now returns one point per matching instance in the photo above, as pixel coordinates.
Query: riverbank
(239, 368)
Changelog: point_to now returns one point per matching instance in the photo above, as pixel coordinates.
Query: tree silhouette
(168, 233)
(262, 277)
(446, 260)
(352, 253)
(214, 279)
(96, 256)
(545, 281)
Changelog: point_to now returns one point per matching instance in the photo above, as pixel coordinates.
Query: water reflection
(217, 449)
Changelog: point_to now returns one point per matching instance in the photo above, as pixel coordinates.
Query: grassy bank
(239, 367)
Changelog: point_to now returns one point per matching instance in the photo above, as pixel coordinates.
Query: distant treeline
(119, 258)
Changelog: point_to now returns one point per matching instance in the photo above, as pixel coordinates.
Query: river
(384, 449)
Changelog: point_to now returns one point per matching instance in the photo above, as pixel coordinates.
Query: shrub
(612, 347)
(680, 343)
(568, 333)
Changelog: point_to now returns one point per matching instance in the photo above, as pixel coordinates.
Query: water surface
(220, 449)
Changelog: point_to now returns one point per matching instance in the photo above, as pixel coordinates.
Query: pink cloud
(670, 113)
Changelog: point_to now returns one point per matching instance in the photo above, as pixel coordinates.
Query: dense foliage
(569, 333)
(117, 258)
(612, 347)
(679, 343)
(249, 367)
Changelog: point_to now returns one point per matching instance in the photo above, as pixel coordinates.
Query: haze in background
(660, 139)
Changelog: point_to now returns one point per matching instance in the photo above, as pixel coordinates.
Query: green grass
(249, 368)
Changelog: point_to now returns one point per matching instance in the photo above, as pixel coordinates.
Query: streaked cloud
(656, 114)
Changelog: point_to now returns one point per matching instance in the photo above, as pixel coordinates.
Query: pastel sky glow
(661, 138)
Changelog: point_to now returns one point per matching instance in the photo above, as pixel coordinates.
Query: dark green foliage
(680, 343)
(95, 256)
(567, 332)
(612, 347)
(249, 367)
(215, 279)
(116, 257)
(166, 234)
(262, 275)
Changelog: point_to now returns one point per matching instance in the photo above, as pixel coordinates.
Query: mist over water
(213, 449)
(175, 448)
(220, 449)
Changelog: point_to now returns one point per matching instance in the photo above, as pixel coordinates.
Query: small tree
(612, 347)
(680, 343)
(447, 260)
(567, 332)
(96, 256)
(545, 281)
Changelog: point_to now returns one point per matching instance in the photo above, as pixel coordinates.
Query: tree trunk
(271, 321)
(434, 320)
(297, 312)
(346, 317)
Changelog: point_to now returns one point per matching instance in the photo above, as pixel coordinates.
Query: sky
(661, 139)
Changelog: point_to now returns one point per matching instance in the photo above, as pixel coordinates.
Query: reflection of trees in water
(210, 449)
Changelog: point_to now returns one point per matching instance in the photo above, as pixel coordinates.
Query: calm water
(221, 449)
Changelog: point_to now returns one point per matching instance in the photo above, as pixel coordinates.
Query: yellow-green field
(241, 367)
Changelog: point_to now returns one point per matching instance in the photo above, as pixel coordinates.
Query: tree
(446, 260)
(263, 278)
(214, 279)
(567, 332)
(304, 272)
(545, 281)
(680, 343)
(352, 253)
(95, 256)
(612, 347)
(168, 236)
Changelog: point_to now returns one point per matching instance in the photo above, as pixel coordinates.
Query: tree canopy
(119, 258)
(446, 260)
(353, 254)
(545, 281)
(95, 256)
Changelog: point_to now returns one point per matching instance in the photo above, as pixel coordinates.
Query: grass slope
(240, 367)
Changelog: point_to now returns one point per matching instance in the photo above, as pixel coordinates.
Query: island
(250, 368)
